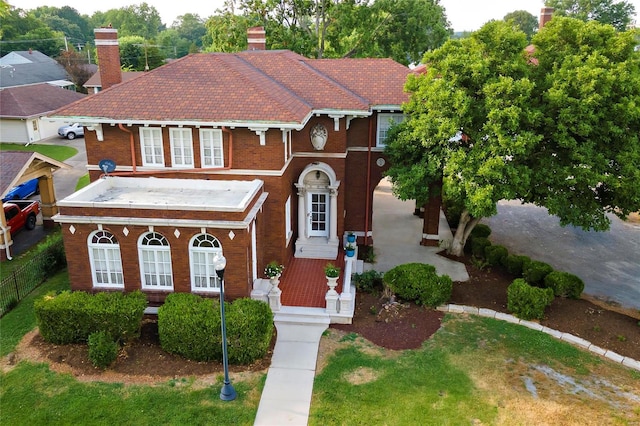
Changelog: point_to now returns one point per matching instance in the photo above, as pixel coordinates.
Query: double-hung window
(181, 147)
(203, 274)
(105, 260)
(211, 152)
(151, 146)
(385, 121)
(155, 262)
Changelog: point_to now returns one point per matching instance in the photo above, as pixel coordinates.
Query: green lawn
(57, 152)
(472, 371)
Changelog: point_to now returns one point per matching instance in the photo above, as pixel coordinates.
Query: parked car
(21, 214)
(22, 191)
(71, 131)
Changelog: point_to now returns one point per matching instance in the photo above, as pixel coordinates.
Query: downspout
(368, 197)
(159, 172)
(132, 144)
(5, 231)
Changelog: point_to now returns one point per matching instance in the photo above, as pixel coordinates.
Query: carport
(17, 167)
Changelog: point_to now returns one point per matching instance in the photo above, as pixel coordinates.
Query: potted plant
(350, 250)
(351, 237)
(331, 271)
(273, 270)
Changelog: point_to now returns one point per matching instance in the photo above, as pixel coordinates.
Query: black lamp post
(227, 393)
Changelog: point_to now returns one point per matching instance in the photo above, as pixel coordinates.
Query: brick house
(264, 155)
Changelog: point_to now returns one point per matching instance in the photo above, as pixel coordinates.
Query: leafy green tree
(226, 32)
(137, 20)
(21, 30)
(524, 21)
(66, 20)
(137, 54)
(617, 13)
(560, 129)
(190, 28)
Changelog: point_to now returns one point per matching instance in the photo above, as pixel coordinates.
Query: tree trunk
(465, 226)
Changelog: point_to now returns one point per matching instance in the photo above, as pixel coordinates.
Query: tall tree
(21, 30)
(524, 21)
(617, 13)
(137, 20)
(561, 130)
(138, 54)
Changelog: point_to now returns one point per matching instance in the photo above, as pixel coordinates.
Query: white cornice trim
(169, 222)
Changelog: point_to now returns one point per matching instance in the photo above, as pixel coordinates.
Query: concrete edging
(566, 337)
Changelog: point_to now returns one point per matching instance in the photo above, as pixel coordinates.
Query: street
(608, 262)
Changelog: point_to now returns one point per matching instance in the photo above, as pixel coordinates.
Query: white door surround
(317, 212)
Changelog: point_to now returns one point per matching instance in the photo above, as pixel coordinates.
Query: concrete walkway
(286, 397)
(397, 233)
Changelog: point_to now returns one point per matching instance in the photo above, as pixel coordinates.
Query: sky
(464, 15)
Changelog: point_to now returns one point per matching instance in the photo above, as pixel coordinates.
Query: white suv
(71, 131)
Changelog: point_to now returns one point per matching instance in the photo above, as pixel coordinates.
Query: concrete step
(301, 316)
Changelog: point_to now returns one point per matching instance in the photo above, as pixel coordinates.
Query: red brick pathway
(303, 282)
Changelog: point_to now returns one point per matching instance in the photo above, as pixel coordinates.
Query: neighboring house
(30, 67)
(263, 155)
(17, 167)
(94, 84)
(23, 108)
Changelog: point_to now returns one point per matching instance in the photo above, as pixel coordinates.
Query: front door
(318, 214)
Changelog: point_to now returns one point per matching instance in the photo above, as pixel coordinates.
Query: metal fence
(24, 280)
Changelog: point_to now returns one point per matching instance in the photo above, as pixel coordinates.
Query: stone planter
(332, 282)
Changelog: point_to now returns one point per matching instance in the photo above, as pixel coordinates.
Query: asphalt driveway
(608, 262)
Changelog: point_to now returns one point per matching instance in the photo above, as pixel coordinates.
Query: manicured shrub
(369, 281)
(103, 350)
(478, 246)
(527, 302)
(480, 231)
(419, 283)
(70, 317)
(189, 325)
(52, 258)
(249, 330)
(564, 284)
(535, 271)
(514, 263)
(495, 254)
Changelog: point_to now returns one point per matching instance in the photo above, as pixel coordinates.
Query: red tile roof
(268, 87)
(34, 100)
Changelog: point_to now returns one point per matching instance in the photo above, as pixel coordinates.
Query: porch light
(227, 393)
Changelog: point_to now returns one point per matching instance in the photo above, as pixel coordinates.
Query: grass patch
(32, 394)
(474, 371)
(82, 182)
(21, 319)
(57, 152)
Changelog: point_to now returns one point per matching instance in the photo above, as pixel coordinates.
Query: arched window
(203, 274)
(155, 262)
(105, 260)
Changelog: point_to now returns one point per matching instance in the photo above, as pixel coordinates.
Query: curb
(566, 337)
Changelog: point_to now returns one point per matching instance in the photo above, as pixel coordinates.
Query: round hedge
(419, 283)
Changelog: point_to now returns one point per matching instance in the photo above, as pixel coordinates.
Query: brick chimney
(545, 16)
(108, 56)
(256, 38)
